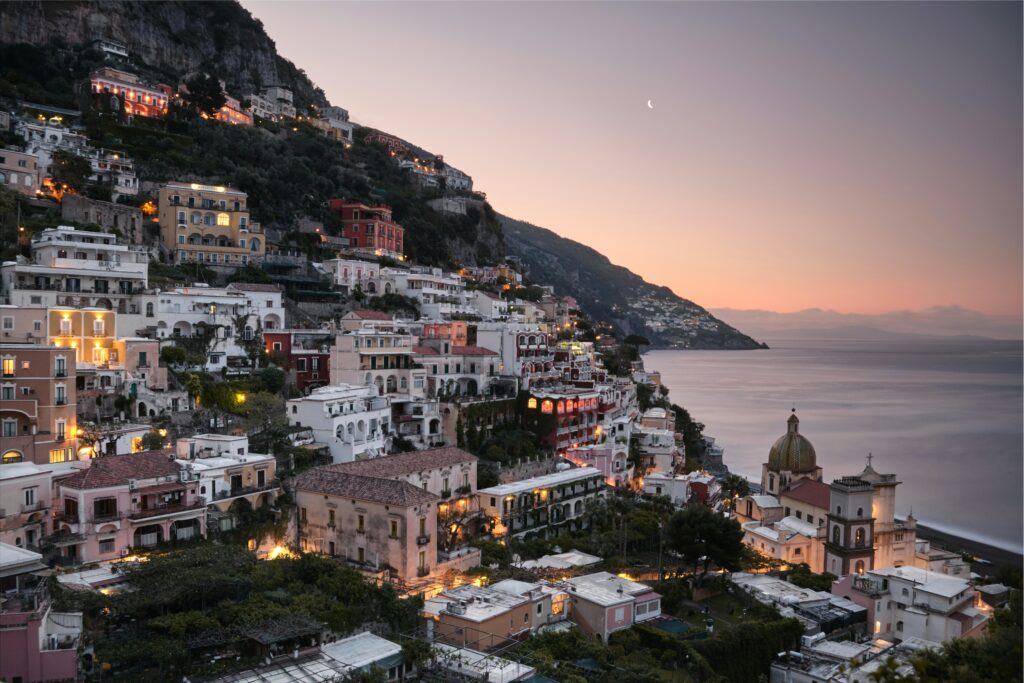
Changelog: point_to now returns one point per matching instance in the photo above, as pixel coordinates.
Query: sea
(946, 415)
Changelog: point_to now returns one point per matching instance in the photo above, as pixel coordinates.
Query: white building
(675, 487)
(227, 470)
(523, 350)
(26, 495)
(226, 316)
(455, 370)
(542, 505)
(353, 421)
(908, 602)
(79, 268)
(454, 179)
(789, 540)
(489, 306)
(440, 294)
(658, 449)
(348, 274)
(274, 103)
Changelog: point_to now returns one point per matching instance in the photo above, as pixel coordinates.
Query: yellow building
(209, 224)
(91, 332)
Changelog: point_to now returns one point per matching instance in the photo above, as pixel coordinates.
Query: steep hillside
(177, 37)
(613, 293)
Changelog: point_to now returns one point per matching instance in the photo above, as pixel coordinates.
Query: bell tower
(850, 544)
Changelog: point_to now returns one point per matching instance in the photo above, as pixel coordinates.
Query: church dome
(792, 452)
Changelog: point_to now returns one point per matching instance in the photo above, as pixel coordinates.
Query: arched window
(771, 482)
(223, 219)
(254, 244)
(839, 509)
(547, 406)
(859, 568)
(899, 625)
(860, 512)
(859, 537)
(11, 456)
(532, 404)
(561, 407)
(835, 535)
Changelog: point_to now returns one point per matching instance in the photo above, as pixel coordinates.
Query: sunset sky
(863, 157)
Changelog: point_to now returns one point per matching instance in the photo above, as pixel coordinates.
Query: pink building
(37, 644)
(604, 603)
(130, 501)
(611, 460)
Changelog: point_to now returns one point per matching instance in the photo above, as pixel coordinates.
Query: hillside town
(226, 458)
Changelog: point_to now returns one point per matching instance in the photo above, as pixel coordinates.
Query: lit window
(223, 219)
(58, 455)
(532, 404)
(8, 367)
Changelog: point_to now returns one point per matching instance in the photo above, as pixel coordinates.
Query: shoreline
(997, 556)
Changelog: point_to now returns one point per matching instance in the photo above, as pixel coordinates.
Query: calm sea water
(947, 416)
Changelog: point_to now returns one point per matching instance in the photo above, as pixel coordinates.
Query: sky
(861, 157)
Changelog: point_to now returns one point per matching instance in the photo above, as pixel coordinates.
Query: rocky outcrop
(177, 37)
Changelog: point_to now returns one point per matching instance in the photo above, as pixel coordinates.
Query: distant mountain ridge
(606, 291)
(937, 321)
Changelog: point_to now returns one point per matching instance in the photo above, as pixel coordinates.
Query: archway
(142, 409)
(148, 536)
(392, 384)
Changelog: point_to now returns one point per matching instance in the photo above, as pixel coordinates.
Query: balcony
(446, 494)
(33, 507)
(162, 510)
(246, 490)
(423, 540)
(423, 571)
(60, 374)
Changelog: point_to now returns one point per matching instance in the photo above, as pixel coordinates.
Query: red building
(369, 228)
(305, 355)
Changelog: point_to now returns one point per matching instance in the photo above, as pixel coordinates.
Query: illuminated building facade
(210, 225)
(369, 228)
(136, 97)
(38, 420)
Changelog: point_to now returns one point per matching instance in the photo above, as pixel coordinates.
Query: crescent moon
(650, 104)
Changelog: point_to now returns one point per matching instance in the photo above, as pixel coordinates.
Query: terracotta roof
(390, 491)
(808, 491)
(372, 315)
(254, 287)
(116, 470)
(472, 351)
(405, 463)
(424, 350)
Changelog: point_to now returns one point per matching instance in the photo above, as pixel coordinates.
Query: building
(376, 524)
(604, 603)
(274, 103)
(935, 559)
(612, 461)
(542, 506)
(789, 540)
(849, 547)
(481, 618)
(895, 540)
(304, 355)
(550, 603)
(37, 414)
(382, 356)
(369, 228)
(38, 643)
(908, 602)
(351, 274)
(228, 472)
(440, 295)
(115, 218)
(208, 224)
(454, 370)
(77, 268)
(489, 306)
(478, 666)
(792, 457)
(820, 612)
(25, 501)
(659, 451)
(564, 416)
(454, 179)
(807, 500)
(354, 421)
(233, 113)
(675, 487)
(129, 93)
(126, 501)
(828, 661)
(20, 172)
(523, 350)
(334, 123)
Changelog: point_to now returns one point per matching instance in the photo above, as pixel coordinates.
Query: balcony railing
(423, 540)
(246, 490)
(166, 510)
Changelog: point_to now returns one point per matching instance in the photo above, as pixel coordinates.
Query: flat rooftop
(543, 481)
(480, 603)
(930, 582)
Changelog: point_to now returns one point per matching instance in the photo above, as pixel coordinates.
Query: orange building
(137, 98)
(38, 421)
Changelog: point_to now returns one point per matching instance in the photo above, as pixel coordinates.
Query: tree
(264, 417)
(273, 379)
(153, 441)
(735, 486)
(173, 355)
(700, 535)
(802, 576)
(194, 387)
(204, 94)
(71, 170)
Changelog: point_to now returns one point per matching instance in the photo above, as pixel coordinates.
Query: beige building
(376, 524)
(37, 410)
(19, 172)
(480, 619)
(208, 224)
(25, 501)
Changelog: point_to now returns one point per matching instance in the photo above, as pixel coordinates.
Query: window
(859, 537)
(10, 428)
(423, 526)
(526, 615)
(8, 392)
(330, 518)
(8, 323)
(60, 397)
(107, 546)
(223, 219)
(835, 535)
(394, 528)
(98, 327)
(361, 523)
(10, 456)
(61, 428)
(8, 367)
(60, 366)
(302, 515)
(300, 364)
(30, 496)
(361, 554)
(331, 548)
(860, 512)
(58, 455)
(899, 626)
(540, 608)
(859, 567)
(839, 509)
